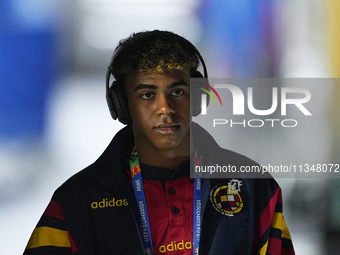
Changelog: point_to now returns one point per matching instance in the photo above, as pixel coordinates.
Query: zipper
(136, 224)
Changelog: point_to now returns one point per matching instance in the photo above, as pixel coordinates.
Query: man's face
(159, 105)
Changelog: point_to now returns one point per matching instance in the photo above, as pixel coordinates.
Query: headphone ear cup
(117, 102)
(110, 98)
(196, 105)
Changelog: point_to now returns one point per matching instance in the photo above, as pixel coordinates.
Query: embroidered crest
(226, 199)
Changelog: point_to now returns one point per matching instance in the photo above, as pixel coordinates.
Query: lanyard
(197, 204)
(138, 188)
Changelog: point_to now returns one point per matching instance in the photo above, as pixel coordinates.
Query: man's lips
(170, 128)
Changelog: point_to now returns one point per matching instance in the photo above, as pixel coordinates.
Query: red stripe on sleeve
(54, 210)
(274, 246)
(265, 220)
(288, 251)
(73, 245)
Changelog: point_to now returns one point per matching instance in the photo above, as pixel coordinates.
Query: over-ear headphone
(116, 96)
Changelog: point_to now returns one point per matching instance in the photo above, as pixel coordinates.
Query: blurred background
(53, 115)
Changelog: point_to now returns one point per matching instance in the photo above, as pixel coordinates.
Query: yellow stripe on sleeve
(285, 231)
(46, 236)
(279, 223)
(263, 250)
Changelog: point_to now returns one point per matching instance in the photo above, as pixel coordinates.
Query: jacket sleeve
(271, 235)
(51, 235)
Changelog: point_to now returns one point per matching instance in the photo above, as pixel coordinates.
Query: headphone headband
(116, 96)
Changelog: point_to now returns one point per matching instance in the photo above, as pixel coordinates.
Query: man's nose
(164, 105)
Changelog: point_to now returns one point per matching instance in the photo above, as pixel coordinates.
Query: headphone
(116, 95)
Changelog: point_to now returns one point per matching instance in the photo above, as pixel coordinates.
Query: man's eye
(177, 93)
(146, 95)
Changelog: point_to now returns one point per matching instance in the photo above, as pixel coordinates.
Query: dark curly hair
(153, 52)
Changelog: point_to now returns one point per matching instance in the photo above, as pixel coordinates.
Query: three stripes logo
(204, 97)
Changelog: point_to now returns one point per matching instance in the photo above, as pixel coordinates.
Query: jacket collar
(108, 168)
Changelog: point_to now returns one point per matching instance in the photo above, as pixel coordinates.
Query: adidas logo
(109, 203)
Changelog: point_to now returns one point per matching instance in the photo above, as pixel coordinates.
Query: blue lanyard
(197, 203)
(138, 188)
(197, 213)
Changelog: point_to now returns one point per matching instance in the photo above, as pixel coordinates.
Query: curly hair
(153, 52)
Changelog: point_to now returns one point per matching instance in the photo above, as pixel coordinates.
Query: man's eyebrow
(172, 85)
(178, 83)
(145, 86)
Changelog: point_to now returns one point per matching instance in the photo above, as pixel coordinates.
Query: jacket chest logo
(106, 202)
(226, 199)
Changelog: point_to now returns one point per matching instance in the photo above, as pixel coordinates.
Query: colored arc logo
(212, 89)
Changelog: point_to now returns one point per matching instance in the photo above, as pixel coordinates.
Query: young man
(138, 197)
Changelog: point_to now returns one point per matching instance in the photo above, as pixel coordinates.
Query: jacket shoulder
(105, 173)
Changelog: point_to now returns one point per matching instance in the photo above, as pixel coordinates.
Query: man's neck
(170, 159)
